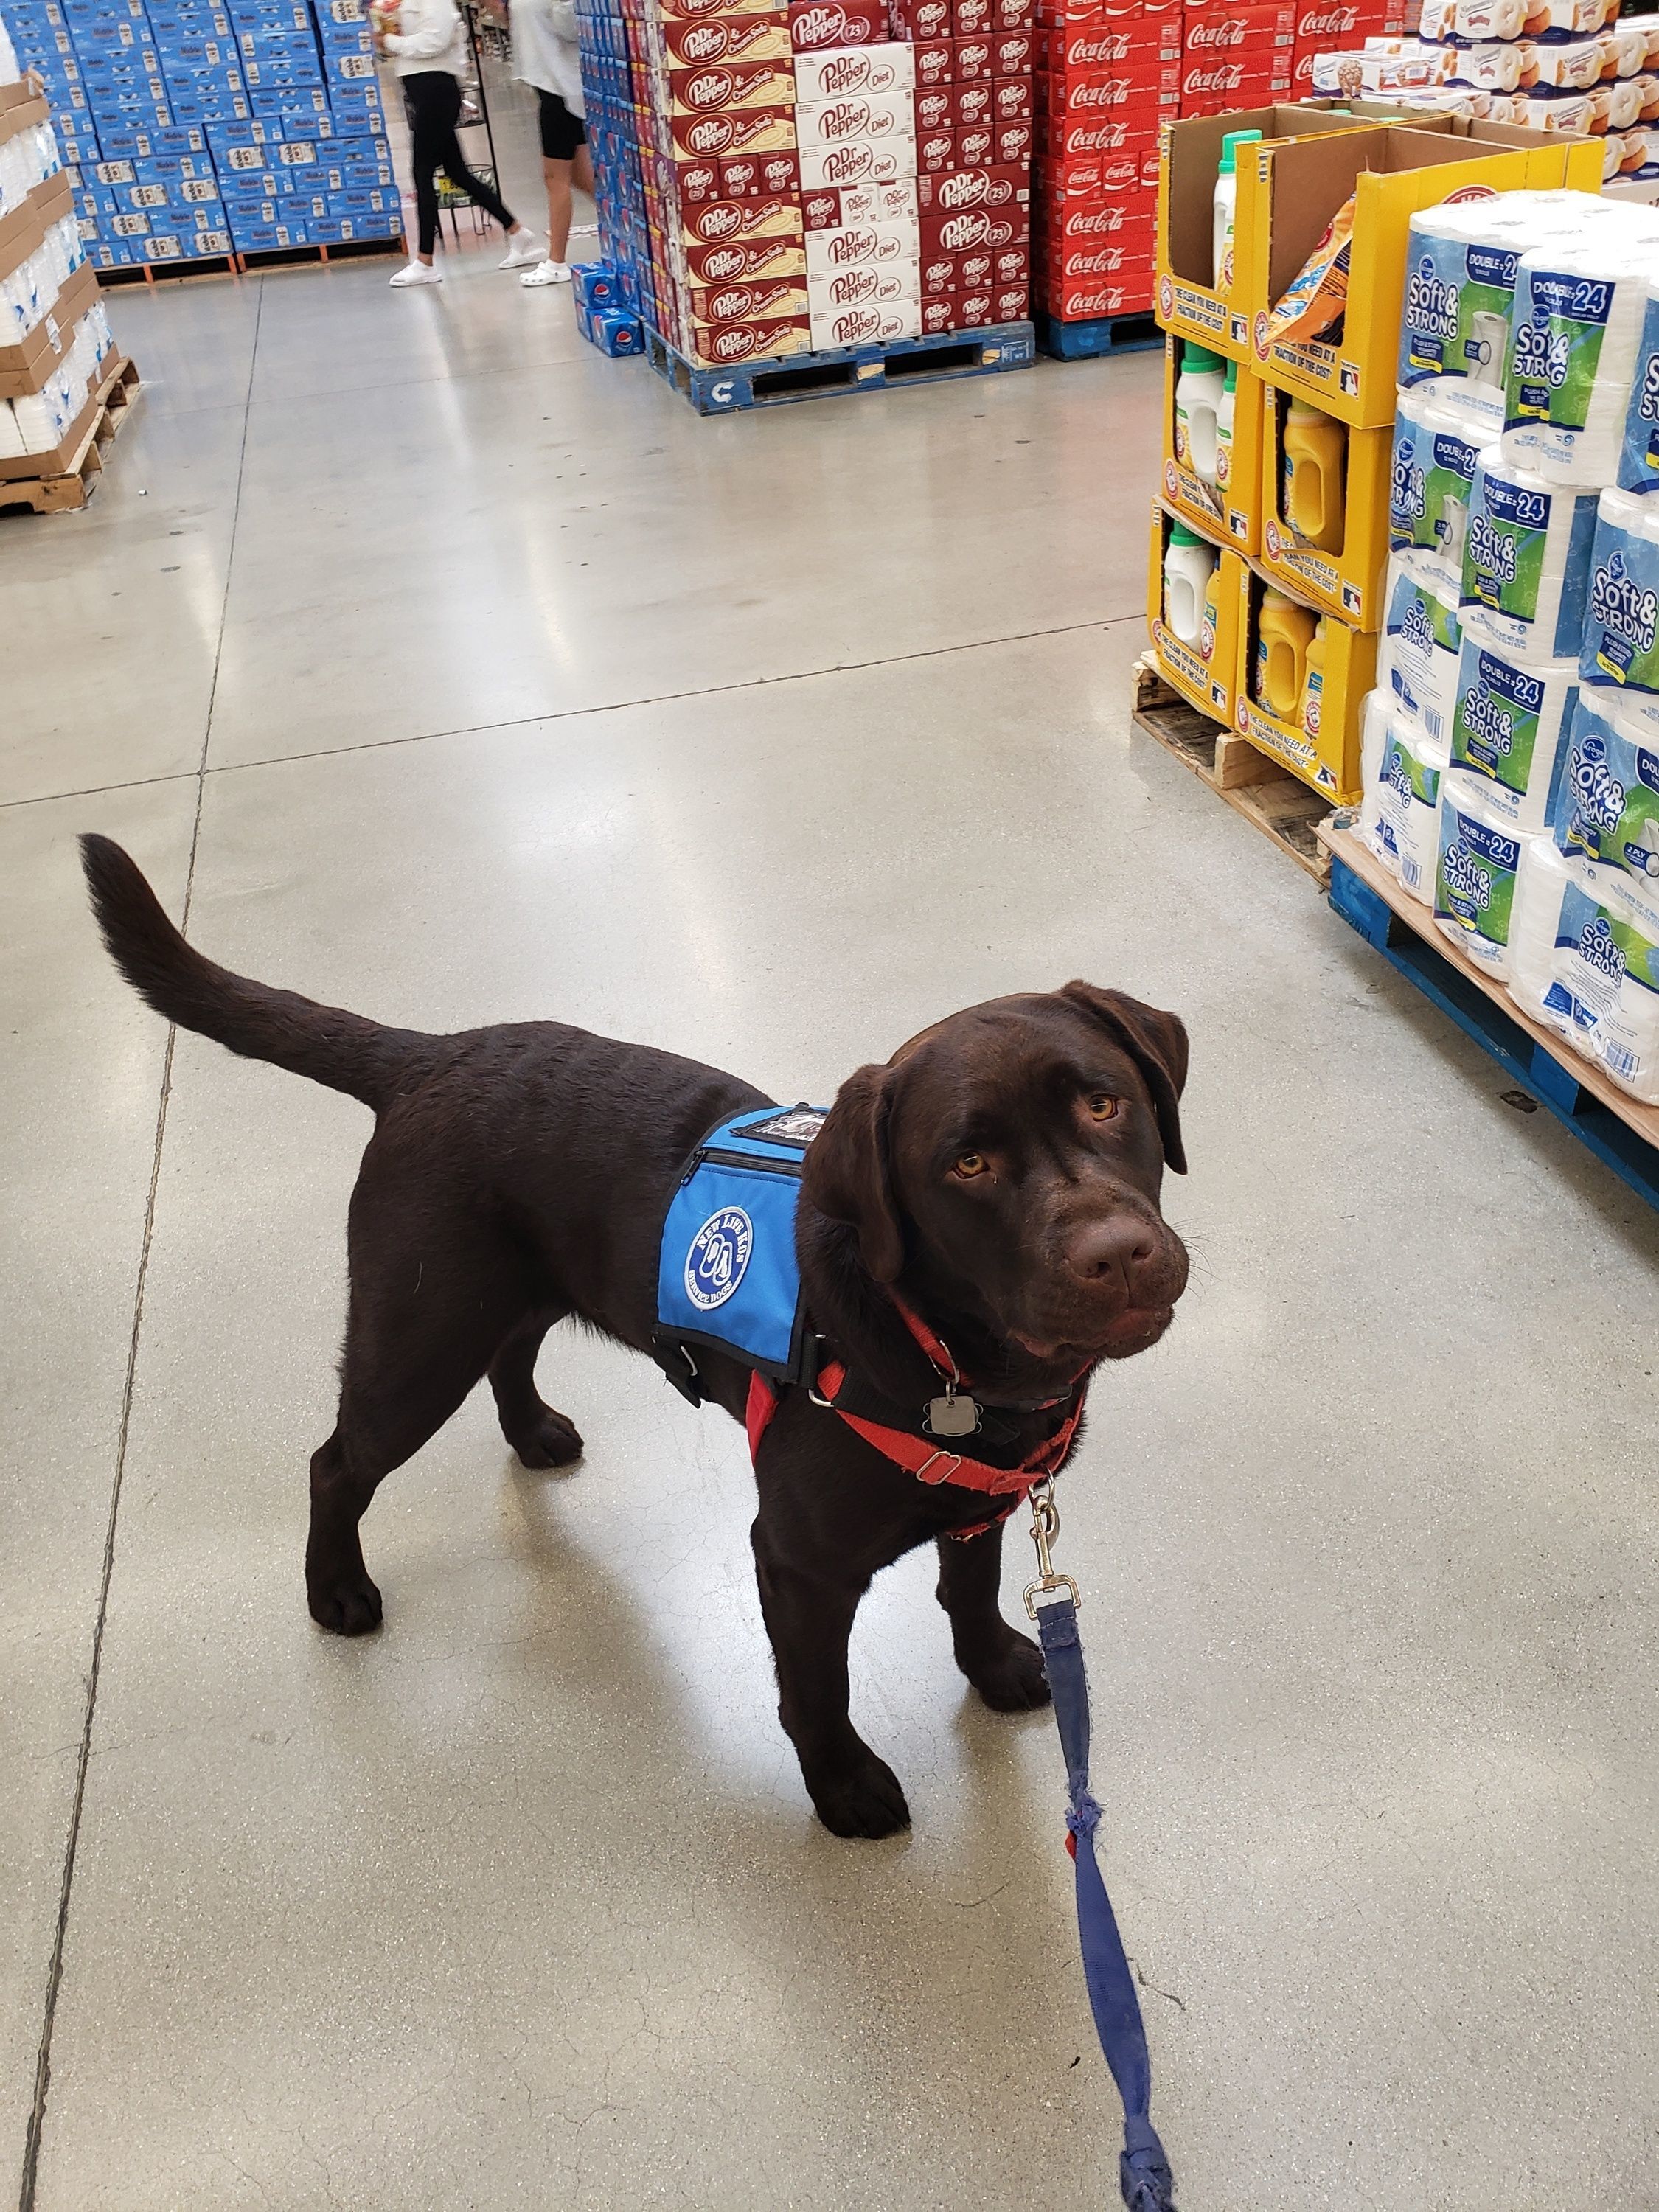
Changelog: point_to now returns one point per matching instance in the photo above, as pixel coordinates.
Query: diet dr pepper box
(834, 173)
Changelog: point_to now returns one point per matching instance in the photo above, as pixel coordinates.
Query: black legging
(435, 102)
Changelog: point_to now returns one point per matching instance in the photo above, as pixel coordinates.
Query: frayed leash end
(1144, 2174)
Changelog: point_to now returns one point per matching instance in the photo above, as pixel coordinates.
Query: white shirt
(433, 37)
(545, 49)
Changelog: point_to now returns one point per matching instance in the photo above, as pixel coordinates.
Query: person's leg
(454, 167)
(557, 175)
(563, 150)
(426, 108)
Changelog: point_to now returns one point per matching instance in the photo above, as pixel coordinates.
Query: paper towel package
(1399, 811)
(1578, 322)
(1479, 863)
(1606, 814)
(1638, 459)
(1430, 478)
(1618, 656)
(1525, 559)
(1588, 966)
(1509, 729)
(1417, 660)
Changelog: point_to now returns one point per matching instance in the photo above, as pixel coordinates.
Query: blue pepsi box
(616, 333)
(593, 284)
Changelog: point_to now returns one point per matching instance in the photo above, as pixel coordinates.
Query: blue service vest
(726, 1274)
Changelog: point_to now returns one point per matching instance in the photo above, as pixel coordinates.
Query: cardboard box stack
(814, 173)
(1108, 76)
(200, 128)
(56, 350)
(1268, 594)
(614, 295)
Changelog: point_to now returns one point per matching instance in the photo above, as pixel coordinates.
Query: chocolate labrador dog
(989, 1199)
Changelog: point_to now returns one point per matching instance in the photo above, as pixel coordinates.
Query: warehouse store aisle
(452, 672)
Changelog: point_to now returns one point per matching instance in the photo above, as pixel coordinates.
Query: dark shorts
(562, 131)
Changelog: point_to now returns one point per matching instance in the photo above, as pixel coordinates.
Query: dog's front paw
(551, 1442)
(1012, 1683)
(343, 1606)
(860, 1800)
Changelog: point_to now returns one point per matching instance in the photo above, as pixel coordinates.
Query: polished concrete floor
(433, 664)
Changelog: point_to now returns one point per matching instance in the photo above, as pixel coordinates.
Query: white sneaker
(584, 230)
(524, 253)
(547, 272)
(416, 273)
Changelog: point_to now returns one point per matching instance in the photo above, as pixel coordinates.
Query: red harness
(928, 1462)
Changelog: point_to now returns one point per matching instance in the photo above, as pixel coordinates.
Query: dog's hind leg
(435, 1292)
(540, 1436)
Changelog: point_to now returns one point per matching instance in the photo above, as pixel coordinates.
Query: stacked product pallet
(56, 351)
(1269, 589)
(201, 129)
(1568, 66)
(1512, 749)
(779, 180)
(1109, 77)
(616, 96)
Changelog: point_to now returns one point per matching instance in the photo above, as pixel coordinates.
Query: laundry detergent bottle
(1212, 615)
(1224, 429)
(1199, 391)
(1313, 683)
(1188, 565)
(1283, 631)
(1226, 201)
(1315, 456)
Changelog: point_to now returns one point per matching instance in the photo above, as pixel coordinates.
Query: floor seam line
(36, 2130)
(668, 698)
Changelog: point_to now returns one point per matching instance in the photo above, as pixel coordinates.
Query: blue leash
(1144, 2171)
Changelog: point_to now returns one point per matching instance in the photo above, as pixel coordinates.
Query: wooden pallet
(1097, 334)
(1284, 809)
(844, 370)
(1621, 1133)
(249, 265)
(63, 494)
(168, 272)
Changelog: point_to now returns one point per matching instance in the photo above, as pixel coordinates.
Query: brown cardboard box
(23, 229)
(20, 466)
(24, 366)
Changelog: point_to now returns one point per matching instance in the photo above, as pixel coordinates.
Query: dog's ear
(848, 1176)
(1157, 1043)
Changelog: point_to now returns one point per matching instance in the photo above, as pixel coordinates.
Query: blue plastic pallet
(1533, 1064)
(1100, 334)
(846, 368)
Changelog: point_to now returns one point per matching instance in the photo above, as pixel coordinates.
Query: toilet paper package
(1431, 477)
(1606, 815)
(1585, 964)
(1509, 730)
(1417, 658)
(1478, 867)
(1638, 459)
(1618, 656)
(1525, 559)
(1578, 321)
(1400, 771)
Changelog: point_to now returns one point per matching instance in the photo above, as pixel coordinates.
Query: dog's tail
(343, 1050)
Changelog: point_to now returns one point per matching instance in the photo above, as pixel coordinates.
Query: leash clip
(1045, 1526)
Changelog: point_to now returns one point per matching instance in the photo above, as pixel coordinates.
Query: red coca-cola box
(724, 345)
(1302, 63)
(1011, 100)
(760, 176)
(934, 62)
(962, 230)
(1147, 98)
(1119, 132)
(1076, 303)
(722, 39)
(1119, 259)
(1082, 48)
(815, 24)
(1212, 28)
(1212, 83)
(1079, 221)
(936, 152)
(1333, 25)
(1002, 188)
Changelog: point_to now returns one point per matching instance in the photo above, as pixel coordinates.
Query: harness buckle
(945, 1475)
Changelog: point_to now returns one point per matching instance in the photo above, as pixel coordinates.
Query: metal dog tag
(953, 1416)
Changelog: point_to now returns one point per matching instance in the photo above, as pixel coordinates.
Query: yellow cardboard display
(1346, 583)
(1296, 186)
(1236, 518)
(1208, 682)
(1328, 760)
(1189, 154)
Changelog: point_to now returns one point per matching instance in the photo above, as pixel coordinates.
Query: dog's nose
(1108, 1252)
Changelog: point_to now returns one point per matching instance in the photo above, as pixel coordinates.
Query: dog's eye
(1103, 1106)
(969, 1165)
